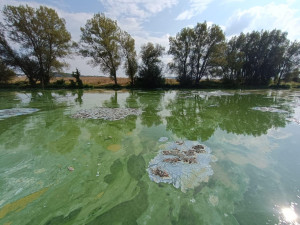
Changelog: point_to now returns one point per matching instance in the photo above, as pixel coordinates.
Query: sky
(156, 20)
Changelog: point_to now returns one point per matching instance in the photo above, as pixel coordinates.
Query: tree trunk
(115, 78)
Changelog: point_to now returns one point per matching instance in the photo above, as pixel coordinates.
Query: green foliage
(128, 47)
(181, 48)
(60, 82)
(78, 81)
(150, 71)
(100, 41)
(6, 74)
(256, 58)
(197, 52)
(43, 41)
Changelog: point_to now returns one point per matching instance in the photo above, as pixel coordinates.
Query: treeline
(42, 42)
(254, 58)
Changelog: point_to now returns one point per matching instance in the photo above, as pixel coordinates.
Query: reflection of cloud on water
(278, 134)
(244, 150)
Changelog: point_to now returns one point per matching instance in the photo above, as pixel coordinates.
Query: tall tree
(181, 49)
(151, 68)
(100, 41)
(289, 66)
(128, 48)
(234, 59)
(197, 52)
(208, 47)
(42, 37)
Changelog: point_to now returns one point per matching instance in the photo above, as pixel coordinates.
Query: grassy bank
(107, 83)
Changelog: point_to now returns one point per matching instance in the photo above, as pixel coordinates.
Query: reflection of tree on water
(195, 117)
(108, 133)
(112, 102)
(150, 103)
(8, 100)
(79, 93)
(131, 100)
(44, 120)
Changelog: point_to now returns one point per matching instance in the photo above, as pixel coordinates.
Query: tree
(234, 59)
(78, 81)
(197, 52)
(128, 47)
(151, 68)
(181, 48)
(100, 41)
(258, 57)
(43, 41)
(208, 47)
(289, 67)
(6, 74)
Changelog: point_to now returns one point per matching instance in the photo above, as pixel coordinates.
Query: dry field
(91, 80)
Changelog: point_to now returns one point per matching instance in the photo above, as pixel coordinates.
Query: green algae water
(55, 169)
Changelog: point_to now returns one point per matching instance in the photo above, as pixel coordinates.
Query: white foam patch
(269, 109)
(7, 113)
(180, 164)
(106, 113)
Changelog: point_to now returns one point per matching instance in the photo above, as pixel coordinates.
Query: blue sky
(156, 20)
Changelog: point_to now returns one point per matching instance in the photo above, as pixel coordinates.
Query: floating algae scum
(6, 113)
(185, 164)
(149, 157)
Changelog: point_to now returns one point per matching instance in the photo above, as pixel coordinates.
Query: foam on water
(185, 173)
(7, 113)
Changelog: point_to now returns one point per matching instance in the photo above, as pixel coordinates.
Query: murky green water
(256, 176)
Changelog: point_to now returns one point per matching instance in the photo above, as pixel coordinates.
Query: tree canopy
(196, 51)
(256, 58)
(35, 41)
(100, 41)
(151, 68)
(128, 47)
(42, 39)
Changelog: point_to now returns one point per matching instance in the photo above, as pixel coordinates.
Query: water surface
(255, 178)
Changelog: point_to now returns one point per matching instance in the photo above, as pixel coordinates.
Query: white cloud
(73, 23)
(131, 14)
(231, 1)
(290, 1)
(268, 17)
(73, 20)
(196, 8)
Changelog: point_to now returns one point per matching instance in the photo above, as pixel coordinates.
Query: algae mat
(55, 169)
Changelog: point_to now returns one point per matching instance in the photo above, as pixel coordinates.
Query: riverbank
(107, 83)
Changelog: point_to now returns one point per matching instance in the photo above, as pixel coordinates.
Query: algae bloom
(185, 164)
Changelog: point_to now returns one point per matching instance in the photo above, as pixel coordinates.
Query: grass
(106, 82)
(88, 81)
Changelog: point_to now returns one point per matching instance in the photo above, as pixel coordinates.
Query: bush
(150, 72)
(60, 82)
(6, 74)
(150, 77)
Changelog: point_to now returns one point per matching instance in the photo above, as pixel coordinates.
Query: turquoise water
(256, 178)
